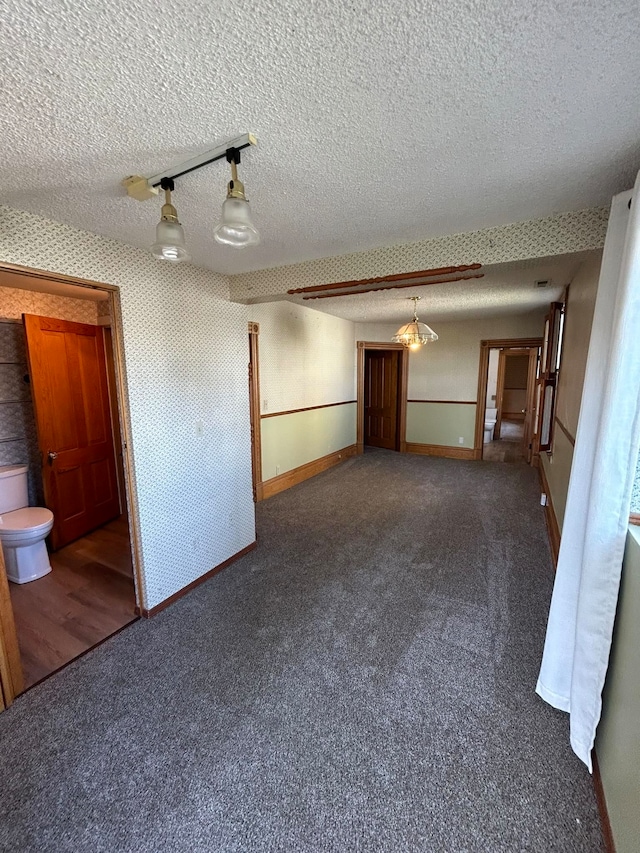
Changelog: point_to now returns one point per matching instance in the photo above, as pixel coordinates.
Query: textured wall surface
(554, 235)
(14, 302)
(186, 359)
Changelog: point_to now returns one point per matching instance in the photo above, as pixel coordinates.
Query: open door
(381, 399)
(71, 400)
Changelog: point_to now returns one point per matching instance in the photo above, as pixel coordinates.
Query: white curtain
(585, 593)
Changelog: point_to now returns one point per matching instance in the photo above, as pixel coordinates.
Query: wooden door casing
(71, 400)
(381, 398)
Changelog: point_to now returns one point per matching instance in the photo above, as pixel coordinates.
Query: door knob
(51, 455)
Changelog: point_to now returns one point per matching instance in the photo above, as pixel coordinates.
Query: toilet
(490, 418)
(23, 528)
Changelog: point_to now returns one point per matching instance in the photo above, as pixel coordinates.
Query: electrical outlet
(277, 470)
(199, 429)
(460, 439)
(265, 405)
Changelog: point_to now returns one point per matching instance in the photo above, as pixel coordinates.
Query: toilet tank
(491, 414)
(13, 487)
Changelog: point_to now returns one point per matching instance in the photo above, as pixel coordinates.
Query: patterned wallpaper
(186, 352)
(555, 235)
(14, 302)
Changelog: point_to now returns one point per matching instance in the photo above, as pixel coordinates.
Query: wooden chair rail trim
(396, 277)
(566, 432)
(394, 286)
(307, 409)
(454, 402)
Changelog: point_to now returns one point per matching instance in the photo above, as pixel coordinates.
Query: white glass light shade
(236, 228)
(414, 335)
(170, 245)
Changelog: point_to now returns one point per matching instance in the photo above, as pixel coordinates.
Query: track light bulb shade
(236, 228)
(170, 245)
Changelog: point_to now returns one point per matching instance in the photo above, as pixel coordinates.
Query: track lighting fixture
(169, 245)
(236, 228)
(414, 334)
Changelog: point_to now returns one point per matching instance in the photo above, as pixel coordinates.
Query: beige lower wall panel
(557, 469)
(289, 441)
(441, 423)
(618, 740)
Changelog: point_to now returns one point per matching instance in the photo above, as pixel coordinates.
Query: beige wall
(448, 370)
(307, 359)
(618, 739)
(577, 331)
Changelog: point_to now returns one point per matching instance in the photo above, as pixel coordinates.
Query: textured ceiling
(504, 289)
(378, 123)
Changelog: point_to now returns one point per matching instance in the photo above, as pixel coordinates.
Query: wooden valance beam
(393, 287)
(396, 277)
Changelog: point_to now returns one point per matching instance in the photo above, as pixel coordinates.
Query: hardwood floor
(87, 596)
(508, 448)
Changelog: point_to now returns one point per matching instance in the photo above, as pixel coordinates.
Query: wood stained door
(381, 398)
(71, 400)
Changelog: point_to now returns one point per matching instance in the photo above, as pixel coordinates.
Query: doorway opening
(62, 426)
(505, 417)
(382, 373)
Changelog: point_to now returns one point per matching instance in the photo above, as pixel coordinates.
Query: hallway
(362, 681)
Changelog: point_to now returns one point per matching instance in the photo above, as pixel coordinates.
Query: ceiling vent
(543, 282)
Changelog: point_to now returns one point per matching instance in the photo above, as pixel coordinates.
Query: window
(549, 372)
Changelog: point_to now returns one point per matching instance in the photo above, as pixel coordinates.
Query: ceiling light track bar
(218, 153)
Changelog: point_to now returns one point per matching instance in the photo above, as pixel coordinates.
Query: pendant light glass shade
(414, 334)
(236, 228)
(170, 244)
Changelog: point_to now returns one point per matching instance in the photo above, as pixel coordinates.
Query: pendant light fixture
(169, 245)
(236, 228)
(414, 334)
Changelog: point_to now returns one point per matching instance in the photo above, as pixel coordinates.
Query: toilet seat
(29, 519)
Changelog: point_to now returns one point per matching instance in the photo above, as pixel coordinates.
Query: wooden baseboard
(550, 517)
(441, 450)
(142, 611)
(304, 472)
(607, 832)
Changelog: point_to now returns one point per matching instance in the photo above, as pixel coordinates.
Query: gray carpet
(361, 682)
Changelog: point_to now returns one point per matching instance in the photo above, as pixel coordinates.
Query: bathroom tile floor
(87, 596)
